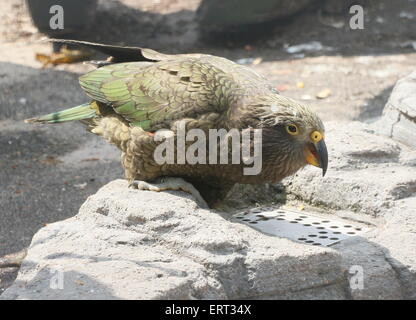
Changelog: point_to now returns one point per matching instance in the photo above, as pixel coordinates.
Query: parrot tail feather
(81, 112)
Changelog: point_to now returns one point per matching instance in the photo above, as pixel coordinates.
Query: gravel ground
(47, 172)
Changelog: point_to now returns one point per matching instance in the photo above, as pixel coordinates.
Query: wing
(123, 54)
(152, 95)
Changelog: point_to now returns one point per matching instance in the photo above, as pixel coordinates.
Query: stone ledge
(399, 114)
(128, 244)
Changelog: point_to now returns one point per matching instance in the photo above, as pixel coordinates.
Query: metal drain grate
(299, 226)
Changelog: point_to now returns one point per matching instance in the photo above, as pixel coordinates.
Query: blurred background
(307, 48)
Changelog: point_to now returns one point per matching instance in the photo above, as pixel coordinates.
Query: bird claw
(143, 185)
(170, 183)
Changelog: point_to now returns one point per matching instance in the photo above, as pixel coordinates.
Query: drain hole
(302, 239)
(316, 244)
(335, 227)
(298, 219)
(312, 235)
(260, 215)
(316, 223)
(325, 221)
(347, 226)
(309, 241)
(246, 220)
(320, 228)
(351, 232)
(303, 217)
(280, 219)
(333, 238)
(307, 225)
(358, 229)
(253, 222)
(337, 232)
(293, 222)
(323, 232)
(323, 237)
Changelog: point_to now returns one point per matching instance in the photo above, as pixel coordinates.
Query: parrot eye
(292, 129)
(316, 136)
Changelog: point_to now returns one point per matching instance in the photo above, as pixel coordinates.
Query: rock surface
(9, 267)
(367, 173)
(369, 176)
(127, 244)
(218, 15)
(399, 114)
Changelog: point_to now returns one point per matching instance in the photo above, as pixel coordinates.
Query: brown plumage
(132, 100)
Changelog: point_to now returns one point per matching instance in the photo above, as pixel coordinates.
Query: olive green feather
(81, 112)
(159, 89)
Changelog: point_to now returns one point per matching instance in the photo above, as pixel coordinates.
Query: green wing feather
(81, 112)
(151, 96)
(157, 88)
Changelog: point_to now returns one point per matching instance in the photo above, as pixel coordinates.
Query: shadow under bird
(138, 91)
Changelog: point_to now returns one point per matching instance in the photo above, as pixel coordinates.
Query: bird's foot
(170, 183)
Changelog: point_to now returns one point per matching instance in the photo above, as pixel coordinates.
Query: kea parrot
(137, 92)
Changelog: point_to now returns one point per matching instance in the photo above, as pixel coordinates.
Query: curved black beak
(322, 153)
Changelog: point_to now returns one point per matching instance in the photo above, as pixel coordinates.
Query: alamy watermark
(246, 147)
(57, 279)
(356, 277)
(57, 19)
(357, 20)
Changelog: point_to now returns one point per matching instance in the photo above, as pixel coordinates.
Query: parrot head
(294, 135)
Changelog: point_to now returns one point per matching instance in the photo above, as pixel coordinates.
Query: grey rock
(218, 15)
(7, 277)
(79, 15)
(379, 277)
(9, 267)
(373, 176)
(399, 114)
(399, 243)
(128, 244)
(367, 172)
(337, 6)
